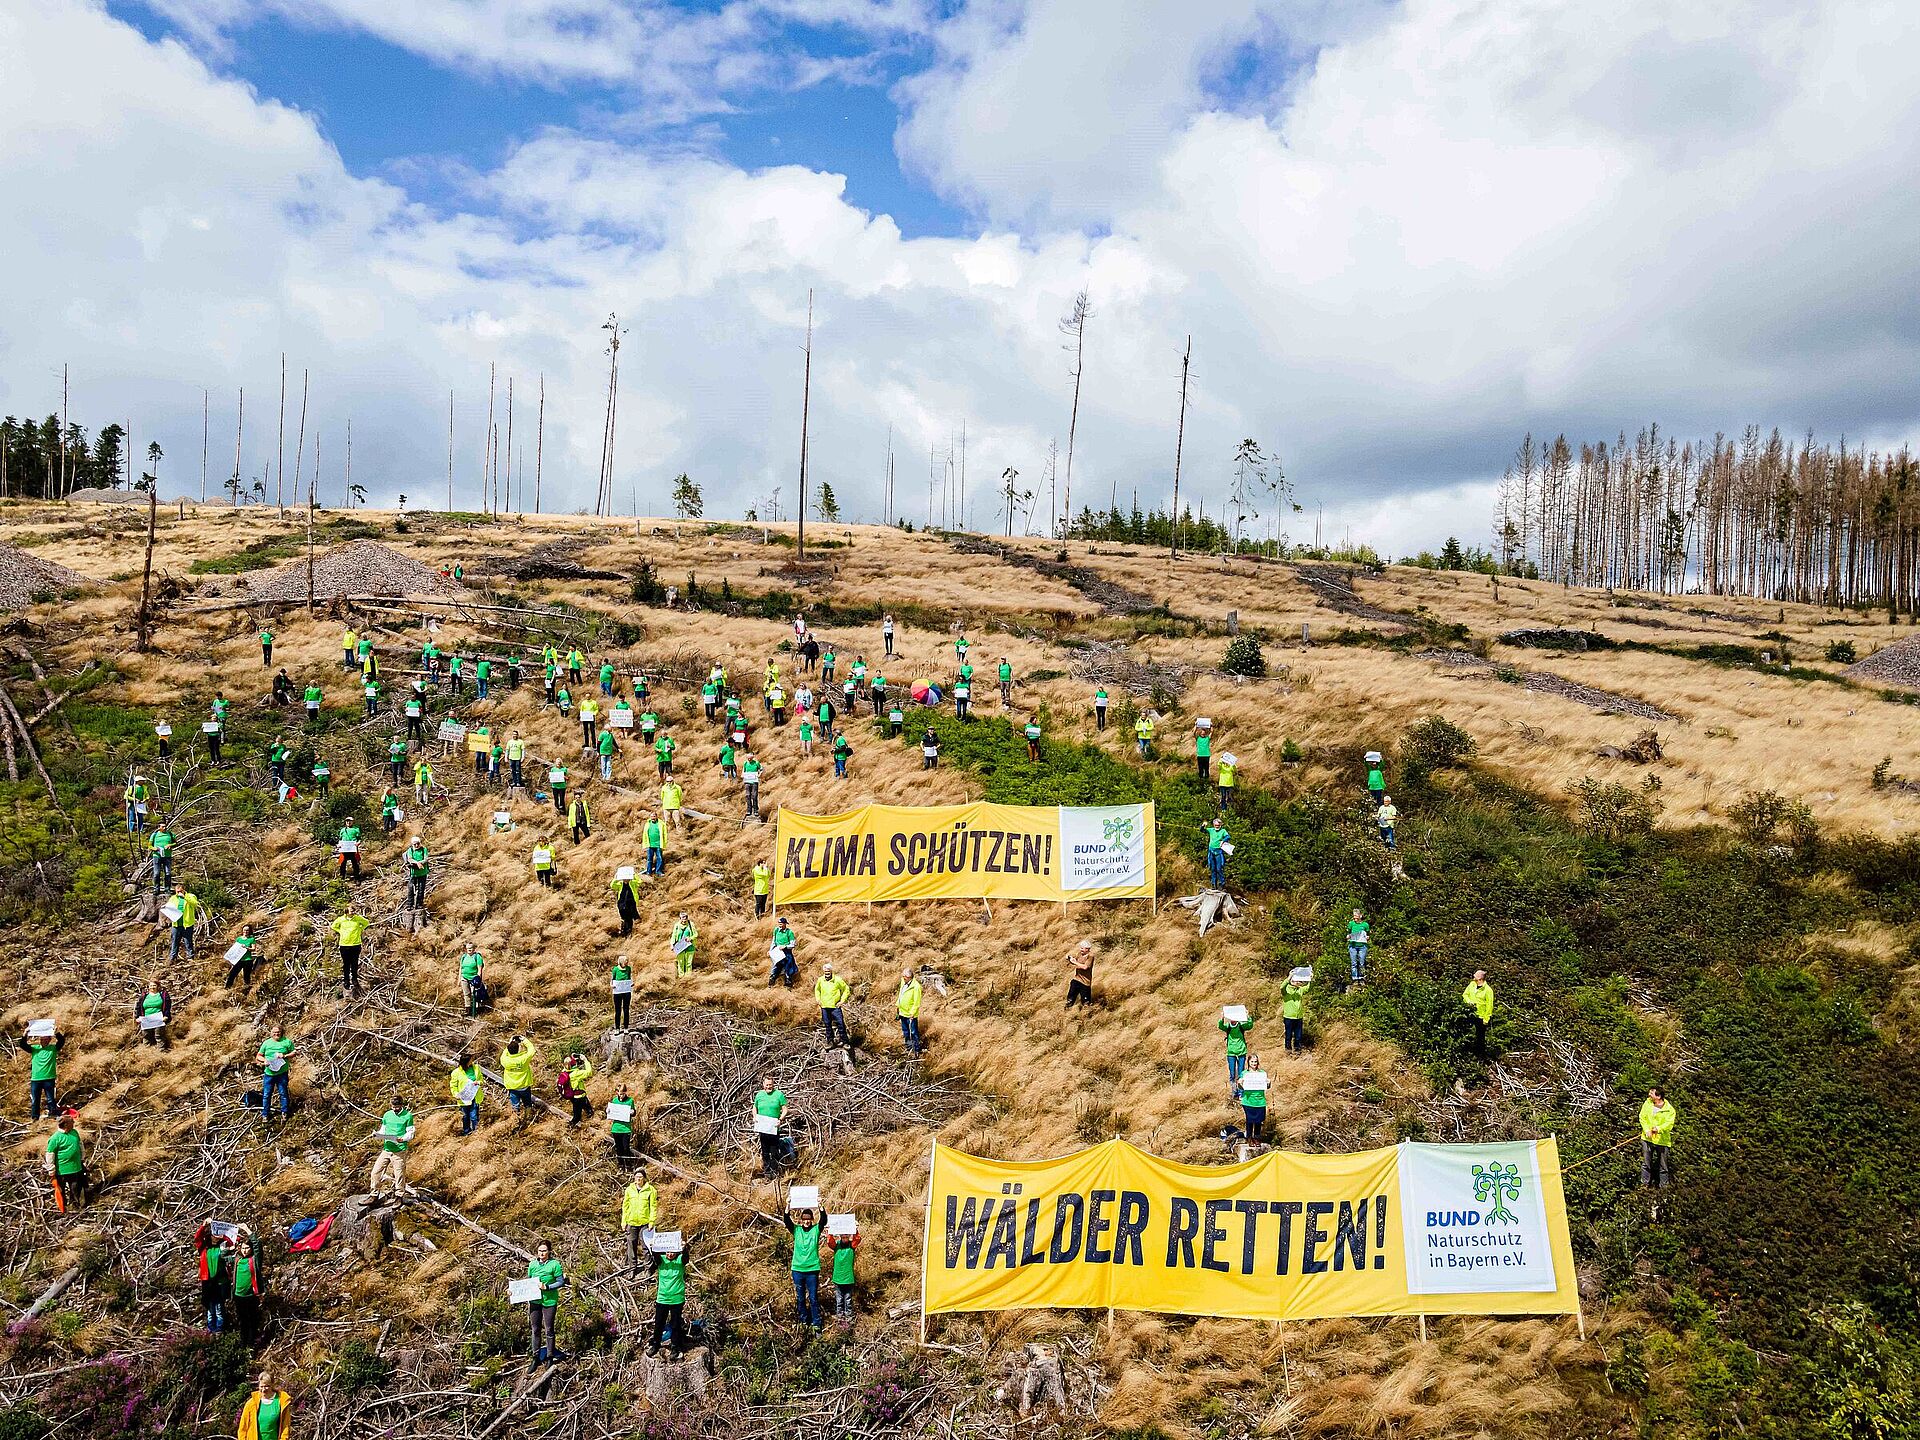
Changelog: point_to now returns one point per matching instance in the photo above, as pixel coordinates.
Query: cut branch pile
(1111, 665)
(1332, 586)
(1112, 598)
(555, 561)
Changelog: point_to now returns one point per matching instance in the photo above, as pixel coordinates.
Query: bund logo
(1499, 1184)
(1118, 830)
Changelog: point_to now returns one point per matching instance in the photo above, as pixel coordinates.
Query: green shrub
(359, 1367)
(1435, 743)
(1613, 813)
(1243, 657)
(1841, 652)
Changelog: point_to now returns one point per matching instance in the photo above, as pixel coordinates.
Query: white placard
(620, 1112)
(501, 819)
(542, 857)
(766, 1124)
(523, 1292)
(623, 987)
(276, 1064)
(803, 1197)
(41, 1029)
(625, 872)
(1373, 757)
(154, 1021)
(1301, 975)
(398, 814)
(451, 730)
(557, 777)
(665, 1242)
(470, 1092)
(210, 727)
(776, 950)
(236, 952)
(1227, 757)
(163, 729)
(1255, 1080)
(842, 1225)
(349, 847)
(413, 709)
(1234, 1014)
(751, 778)
(171, 912)
(1226, 847)
(620, 720)
(224, 1229)
(682, 944)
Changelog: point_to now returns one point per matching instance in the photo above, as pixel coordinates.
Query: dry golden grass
(1145, 1063)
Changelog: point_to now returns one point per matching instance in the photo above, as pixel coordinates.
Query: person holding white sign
(241, 959)
(1235, 1025)
(43, 1066)
(154, 1013)
(805, 1227)
(786, 966)
(463, 1084)
(620, 1125)
(769, 1109)
(685, 939)
(639, 1213)
(669, 1299)
(540, 1312)
(182, 912)
(842, 1240)
(622, 993)
(274, 1056)
(1293, 1014)
(543, 862)
(1253, 1085)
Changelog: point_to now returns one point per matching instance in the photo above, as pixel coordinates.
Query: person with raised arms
(43, 1071)
(626, 898)
(1236, 1030)
(806, 1229)
(516, 1074)
(669, 1300)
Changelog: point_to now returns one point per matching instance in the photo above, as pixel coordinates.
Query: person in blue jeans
(43, 1069)
(1236, 1033)
(1359, 940)
(1217, 840)
(806, 1229)
(273, 1057)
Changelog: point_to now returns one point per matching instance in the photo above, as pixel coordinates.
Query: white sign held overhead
(842, 1225)
(1234, 1014)
(803, 1197)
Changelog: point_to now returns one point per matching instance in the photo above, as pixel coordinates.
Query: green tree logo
(1498, 1184)
(1119, 829)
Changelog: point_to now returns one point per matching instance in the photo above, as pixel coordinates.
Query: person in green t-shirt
(264, 1417)
(247, 1289)
(472, 980)
(669, 1298)
(540, 1313)
(840, 1255)
(396, 1134)
(608, 746)
(1359, 941)
(1203, 755)
(66, 1163)
(1100, 708)
(769, 1104)
(274, 1056)
(620, 1125)
(161, 844)
(622, 992)
(154, 1001)
(1236, 1032)
(1252, 1090)
(43, 1070)
(806, 1229)
(1293, 1015)
(348, 849)
(266, 648)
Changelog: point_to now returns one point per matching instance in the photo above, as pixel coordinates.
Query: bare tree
(1249, 478)
(539, 441)
(145, 627)
(603, 497)
(1074, 326)
(806, 395)
(1179, 445)
(1012, 497)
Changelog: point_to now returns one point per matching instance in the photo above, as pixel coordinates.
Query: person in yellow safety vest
(516, 752)
(673, 799)
(464, 1085)
(422, 783)
(516, 1073)
(350, 930)
(186, 904)
(1656, 1140)
(762, 888)
(543, 862)
(1478, 997)
(1293, 1015)
(1143, 735)
(579, 818)
(830, 992)
(1227, 777)
(907, 1005)
(639, 1213)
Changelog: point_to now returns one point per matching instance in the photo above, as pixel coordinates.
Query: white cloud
(1458, 222)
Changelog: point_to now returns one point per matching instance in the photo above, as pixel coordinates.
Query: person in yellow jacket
(264, 1416)
(1478, 997)
(907, 1005)
(186, 914)
(639, 1214)
(350, 930)
(1656, 1140)
(762, 887)
(516, 1072)
(464, 1085)
(1143, 735)
(422, 783)
(830, 992)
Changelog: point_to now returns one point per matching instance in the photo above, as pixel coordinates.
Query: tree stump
(1044, 1383)
(668, 1378)
(364, 1224)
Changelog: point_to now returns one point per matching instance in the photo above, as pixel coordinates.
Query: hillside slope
(1753, 955)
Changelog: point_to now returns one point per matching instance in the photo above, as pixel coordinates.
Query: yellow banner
(1413, 1229)
(960, 852)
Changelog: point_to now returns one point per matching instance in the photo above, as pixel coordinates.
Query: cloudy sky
(1399, 234)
